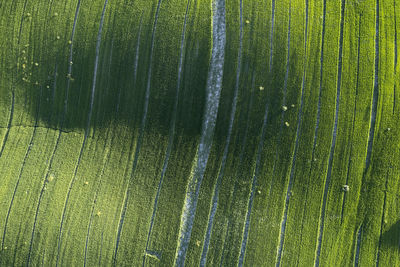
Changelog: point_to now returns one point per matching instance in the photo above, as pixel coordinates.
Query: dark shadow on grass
(391, 238)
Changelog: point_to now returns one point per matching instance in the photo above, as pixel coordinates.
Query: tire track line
(320, 81)
(375, 93)
(354, 118)
(140, 137)
(374, 106)
(59, 133)
(358, 246)
(271, 44)
(171, 131)
(106, 160)
(21, 170)
(298, 132)
(137, 50)
(215, 198)
(13, 84)
(213, 90)
(382, 220)
(318, 109)
(333, 144)
(253, 187)
(241, 155)
(98, 43)
(395, 55)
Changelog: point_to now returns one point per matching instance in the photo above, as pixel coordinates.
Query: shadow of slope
(391, 238)
(61, 63)
(64, 63)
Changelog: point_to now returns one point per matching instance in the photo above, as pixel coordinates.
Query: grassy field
(194, 133)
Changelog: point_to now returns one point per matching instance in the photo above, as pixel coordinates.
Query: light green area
(62, 196)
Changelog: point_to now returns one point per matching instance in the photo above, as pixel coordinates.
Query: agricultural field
(199, 133)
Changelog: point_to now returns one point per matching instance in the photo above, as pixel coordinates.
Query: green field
(199, 133)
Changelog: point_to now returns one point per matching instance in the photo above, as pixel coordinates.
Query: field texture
(199, 133)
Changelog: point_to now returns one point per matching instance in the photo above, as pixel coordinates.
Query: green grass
(111, 191)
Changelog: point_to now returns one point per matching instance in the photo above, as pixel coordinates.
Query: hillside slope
(218, 133)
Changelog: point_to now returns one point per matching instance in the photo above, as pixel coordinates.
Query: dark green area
(63, 185)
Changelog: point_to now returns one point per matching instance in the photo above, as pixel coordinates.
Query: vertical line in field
(382, 220)
(253, 187)
(213, 90)
(59, 133)
(137, 50)
(271, 43)
(375, 95)
(101, 249)
(354, 117)
(140, 137)
(71, 46)
(96, 64)
(58, 137)
(358, 246)
(395, 56)
(301, 110)
(22, 169)
(334, 133)
(3, 145)
(279, 136)
(59, 241)
(227, 143)
(9, 122)
(320, 80)
(53, 93)
(171, 131)
(241, 155)
(298, 130)
(106, 160)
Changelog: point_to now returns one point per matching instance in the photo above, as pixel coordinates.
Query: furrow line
(43, 188)
(319, 98)
(71, 184)
(101, 248)
(334, 133)
(171, 131)
(224, 246)
(298, 131)
(358, 246)
(227, 144)
(253, 187)
(88, 230)
(21, 170)
(96, 64)
(69, 75)
(53, 94)
(40, 198)
(106, 160)
(395, 55)
(59, 242)
(320, 81)
(3, 145)
(13, 85)
(354, 117)
(140, 137)
(382, 220)
(279, 136)
(375, 93)
(213, 91)
(271, 43)
(104, 163)
(241, 155)
(301, 108)
(137, 50)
